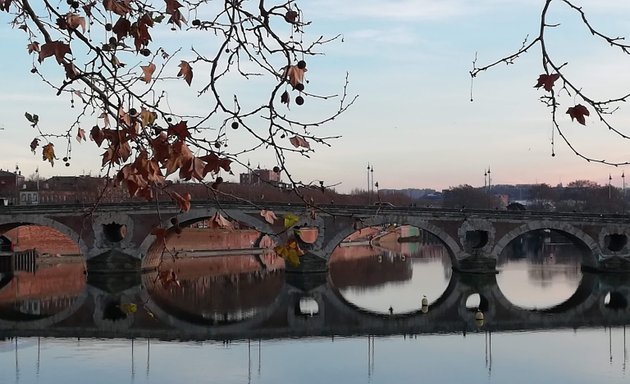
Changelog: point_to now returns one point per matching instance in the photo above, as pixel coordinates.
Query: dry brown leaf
(147, 72)
(74, 21)
(80, 135)
(299, 141)
(269, 216)
(48, 153)
(185, 71)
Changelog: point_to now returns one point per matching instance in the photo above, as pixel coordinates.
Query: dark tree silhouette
(128, 84)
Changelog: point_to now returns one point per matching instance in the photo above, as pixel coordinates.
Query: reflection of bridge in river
(283, 316)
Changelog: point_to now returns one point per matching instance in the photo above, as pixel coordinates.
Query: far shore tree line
(577, 196)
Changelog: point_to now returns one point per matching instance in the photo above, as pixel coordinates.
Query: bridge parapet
(124, 235)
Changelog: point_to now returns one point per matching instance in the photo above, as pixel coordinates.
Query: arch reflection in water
(42, 275)
(50, 289)
(216, 290)
(540, 269)
(388, 270)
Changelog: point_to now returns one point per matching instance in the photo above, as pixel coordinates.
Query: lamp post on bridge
(609, 186)
(368, 183)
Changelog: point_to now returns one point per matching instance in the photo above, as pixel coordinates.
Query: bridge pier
(309, 263)
(476, 264)
(610, 264)
(113, 261)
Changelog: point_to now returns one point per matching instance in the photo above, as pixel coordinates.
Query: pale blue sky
(408, 61)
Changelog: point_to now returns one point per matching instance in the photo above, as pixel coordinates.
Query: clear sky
(408, 61)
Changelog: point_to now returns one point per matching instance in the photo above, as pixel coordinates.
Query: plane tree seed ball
(235, 125)
(299, 100)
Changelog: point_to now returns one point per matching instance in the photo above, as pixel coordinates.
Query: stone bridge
(473, 238)
(89, 313)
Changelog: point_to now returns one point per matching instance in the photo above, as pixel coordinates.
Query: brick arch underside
(46, 222)
(152, 252)
(579, 237)
(451, 245)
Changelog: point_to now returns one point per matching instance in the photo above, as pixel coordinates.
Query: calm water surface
(385, 282)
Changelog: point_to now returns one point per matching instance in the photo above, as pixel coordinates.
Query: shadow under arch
(452, 246)
(189, 324)
(587, 245)
(5, 279)
(152, 251)
(46, 222)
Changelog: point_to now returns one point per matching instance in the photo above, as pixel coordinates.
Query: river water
(545, 321)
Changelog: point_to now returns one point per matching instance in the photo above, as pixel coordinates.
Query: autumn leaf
(71, 71)
(192, 168)
(178, 155)
(290, 252)
(33, 119)
(546, 81)
(578, 112)
(121, 28)
(172, 8)
(290, 220)
(284, 98)
(299, 141)
(218, 221)
(269, 216)
(291, 17)
(147, 117)
(180, 130)
(140, 31)
(80, 135)
(33, 47)
(97, 135)
(105, 117)
(168, 278)
(183, 202)
(74, 21)
(129, 308)
(147, 72)
(4, 5)
(48, 153)
(294, 75)
(54, 48)
(185, 71)
(119, 7)
(34, 144)
(214, 163)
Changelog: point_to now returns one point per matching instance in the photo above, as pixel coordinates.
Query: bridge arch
(150, 257)
(11, 222)
(582, 238)
(326, 249)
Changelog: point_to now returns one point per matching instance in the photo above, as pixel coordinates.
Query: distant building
(10, 183)
(258, 176)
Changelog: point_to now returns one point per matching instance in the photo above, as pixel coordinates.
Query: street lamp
(609, 186)
(17, 185)
(368, 183)
(489, 179)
